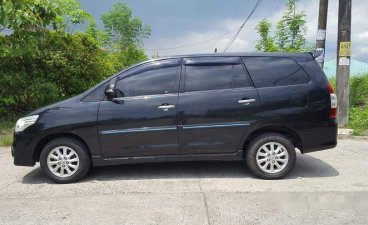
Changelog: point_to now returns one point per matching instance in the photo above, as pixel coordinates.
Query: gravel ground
(327, 187)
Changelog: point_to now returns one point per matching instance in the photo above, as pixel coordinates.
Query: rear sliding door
(216, 105)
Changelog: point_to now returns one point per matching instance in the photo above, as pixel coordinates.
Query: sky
(182, 23)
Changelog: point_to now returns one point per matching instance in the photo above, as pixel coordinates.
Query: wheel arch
(43, 142)
(286, 131)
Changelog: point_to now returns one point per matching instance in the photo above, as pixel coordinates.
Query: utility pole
(321, 33)
(343, 61)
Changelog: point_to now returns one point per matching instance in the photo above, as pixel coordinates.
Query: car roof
(241, 54)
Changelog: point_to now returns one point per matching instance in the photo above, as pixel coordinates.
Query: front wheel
(65, 160)
(270, 156)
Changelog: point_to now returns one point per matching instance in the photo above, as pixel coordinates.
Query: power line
(210, 39)
(189, 45)
(274, 10)
(241, 27)
(201, 42)
(237, 11)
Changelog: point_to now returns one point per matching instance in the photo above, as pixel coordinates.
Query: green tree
(125, 34)
(41, 61)
(66, 65)
(28, 15)
(33, 15)
(123, 28)
(22, 18)
(130, 56)
(98, 35)
(267, 42)
(290, 31)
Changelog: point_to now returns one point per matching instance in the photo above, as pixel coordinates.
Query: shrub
(359, 91)
(358, 115)
(358, 119)
(65, 65)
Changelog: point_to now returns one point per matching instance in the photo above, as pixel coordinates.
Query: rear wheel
(270, 156)
(65, 160)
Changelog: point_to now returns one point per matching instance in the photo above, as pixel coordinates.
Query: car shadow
(306, 166)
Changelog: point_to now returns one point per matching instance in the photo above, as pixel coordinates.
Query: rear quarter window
(275, 71)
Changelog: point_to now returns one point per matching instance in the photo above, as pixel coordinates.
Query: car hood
(57, 105)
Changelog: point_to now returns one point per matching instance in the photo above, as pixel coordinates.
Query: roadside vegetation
(44, 58)
(289, 34)
(6, 133)
(358, 112)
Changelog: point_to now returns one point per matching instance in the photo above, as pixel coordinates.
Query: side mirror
(110, 92)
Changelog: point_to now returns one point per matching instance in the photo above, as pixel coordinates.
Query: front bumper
(23, 149)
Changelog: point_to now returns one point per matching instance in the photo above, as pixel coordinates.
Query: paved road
(328, 187)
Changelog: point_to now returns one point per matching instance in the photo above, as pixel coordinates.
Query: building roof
(356, 68)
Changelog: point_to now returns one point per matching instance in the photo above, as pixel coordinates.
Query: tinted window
(156, 78)
(275, 71)
(298, 77)
(213, 77)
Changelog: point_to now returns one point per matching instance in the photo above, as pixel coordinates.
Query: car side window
(275, 71)
(215, 77)
(150, 79)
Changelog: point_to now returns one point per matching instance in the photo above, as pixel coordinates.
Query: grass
(6, 139)
(6, 133)
(358, 112)
(358, 120)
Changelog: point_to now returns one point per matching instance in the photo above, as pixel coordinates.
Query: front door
(216, 105)
(142, 120)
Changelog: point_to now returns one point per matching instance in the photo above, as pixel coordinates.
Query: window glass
(153, 79)
(298, 77)
(214, 77)
(275, 71)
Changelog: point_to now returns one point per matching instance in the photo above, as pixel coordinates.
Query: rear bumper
(320, 138)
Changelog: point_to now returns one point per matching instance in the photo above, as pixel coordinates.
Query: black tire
(257, 143)
(81, 151)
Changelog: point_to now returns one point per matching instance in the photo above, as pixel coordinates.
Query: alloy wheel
(63, 161)
(272, 157)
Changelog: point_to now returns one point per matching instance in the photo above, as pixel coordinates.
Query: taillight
(333, 97)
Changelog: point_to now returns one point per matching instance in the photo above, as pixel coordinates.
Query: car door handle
(166, 107)
(246, 101)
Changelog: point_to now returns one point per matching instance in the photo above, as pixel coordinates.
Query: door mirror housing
(110, 91)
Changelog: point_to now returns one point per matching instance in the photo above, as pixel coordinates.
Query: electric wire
(241, 27)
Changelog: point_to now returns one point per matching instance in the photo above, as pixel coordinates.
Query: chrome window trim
(218, 90)
(146, 96)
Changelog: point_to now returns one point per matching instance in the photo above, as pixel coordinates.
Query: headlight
(25, 122)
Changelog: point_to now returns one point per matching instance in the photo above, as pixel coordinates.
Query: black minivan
(256, 107)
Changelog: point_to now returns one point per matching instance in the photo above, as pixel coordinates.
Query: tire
(71, 168)
(282, 159)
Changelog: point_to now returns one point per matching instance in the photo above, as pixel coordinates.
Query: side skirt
(100, 161)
